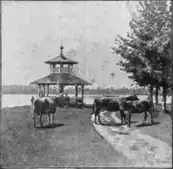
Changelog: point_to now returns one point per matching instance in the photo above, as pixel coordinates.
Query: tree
(145, 49)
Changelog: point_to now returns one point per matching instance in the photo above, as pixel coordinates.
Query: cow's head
(132, 98)
(135, 97)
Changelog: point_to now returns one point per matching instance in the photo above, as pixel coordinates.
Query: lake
(23, 99)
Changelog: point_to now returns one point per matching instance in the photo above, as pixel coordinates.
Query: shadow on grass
(147, 124)
(112, 124)
(51, 126)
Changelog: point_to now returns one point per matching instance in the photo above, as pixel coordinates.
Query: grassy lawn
(72, 142)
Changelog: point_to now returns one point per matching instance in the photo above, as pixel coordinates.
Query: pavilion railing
(61, 69)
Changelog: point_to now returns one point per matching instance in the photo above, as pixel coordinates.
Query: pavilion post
(82, 92)
(76, 92)
(61, 88)
(44, 92)
(48, 90)
(39, 90)
(68, 68)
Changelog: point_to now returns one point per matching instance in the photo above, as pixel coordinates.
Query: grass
(163, 130)
(73, 142)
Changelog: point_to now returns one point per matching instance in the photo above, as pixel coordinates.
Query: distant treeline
(121, 91)
(21, 89)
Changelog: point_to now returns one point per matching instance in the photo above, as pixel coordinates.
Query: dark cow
(111, 104)
(133, 107)
(47, 105)
(62, 100)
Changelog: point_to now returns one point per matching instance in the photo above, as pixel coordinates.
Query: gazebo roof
(61, 78)
(61, 59)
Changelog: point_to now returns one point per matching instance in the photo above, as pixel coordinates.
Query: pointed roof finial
(61, 47)
(61, 40)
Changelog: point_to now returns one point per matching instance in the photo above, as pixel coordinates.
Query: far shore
(108, 94)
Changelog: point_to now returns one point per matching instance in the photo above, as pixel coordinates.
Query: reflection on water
(21, 100)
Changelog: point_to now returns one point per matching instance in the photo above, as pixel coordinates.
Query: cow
(133, 107)
(110, 104)
(47, 105)
(62, 100)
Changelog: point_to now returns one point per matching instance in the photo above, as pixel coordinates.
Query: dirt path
(142, 149)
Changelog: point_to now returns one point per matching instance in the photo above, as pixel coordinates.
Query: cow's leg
(99, 118)
(125, 113)
(145, 117)
(94, 109)
(50, 118)
(41, 115)
(49, 115)
(151, 114)
(34, 120)
(95, 118)
(125, 117)
(96, 114)
(122, 114)
(53, 118)
(129, 118)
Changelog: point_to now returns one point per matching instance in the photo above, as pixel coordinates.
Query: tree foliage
(145, 51)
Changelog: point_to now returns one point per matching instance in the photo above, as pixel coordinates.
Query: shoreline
(28, 105)
(88, 94)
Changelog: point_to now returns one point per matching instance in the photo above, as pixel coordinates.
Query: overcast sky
(32, 31)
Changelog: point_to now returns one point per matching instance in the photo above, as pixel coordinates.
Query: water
(21, 100)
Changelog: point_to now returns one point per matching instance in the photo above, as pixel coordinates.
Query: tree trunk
(151, 92)
(172, 100)
(156, 95)
(164, 94)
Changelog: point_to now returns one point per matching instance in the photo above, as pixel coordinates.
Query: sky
(32, 32)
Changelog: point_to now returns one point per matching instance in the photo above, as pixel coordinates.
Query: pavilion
(62, 74)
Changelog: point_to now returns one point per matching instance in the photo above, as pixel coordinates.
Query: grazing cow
(44, 105)
(62, 100)
(133, 107)
(110, 104)
(47, 105)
